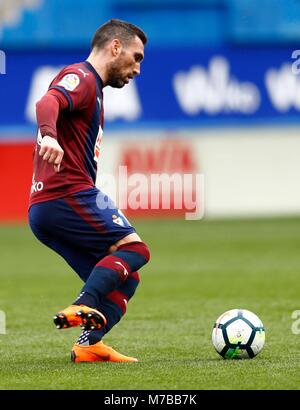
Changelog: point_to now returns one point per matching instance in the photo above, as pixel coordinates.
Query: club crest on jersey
(117, 220)
(70, 82)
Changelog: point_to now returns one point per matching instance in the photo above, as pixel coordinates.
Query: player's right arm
(47, 111)
(69, 90)
(51, 152)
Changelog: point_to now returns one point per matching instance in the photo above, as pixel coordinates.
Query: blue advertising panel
(182, 87)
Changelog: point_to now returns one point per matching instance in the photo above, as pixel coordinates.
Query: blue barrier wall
(182, 87)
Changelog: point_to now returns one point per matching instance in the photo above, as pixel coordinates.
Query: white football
(238, 334)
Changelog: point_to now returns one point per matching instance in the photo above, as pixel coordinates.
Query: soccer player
(64, 211)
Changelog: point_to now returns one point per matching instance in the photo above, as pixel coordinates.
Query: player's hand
(51, 152)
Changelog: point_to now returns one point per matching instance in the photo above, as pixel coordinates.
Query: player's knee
(136, 277)
(145, 251)
(138, 247)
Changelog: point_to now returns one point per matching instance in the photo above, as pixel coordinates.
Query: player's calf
(113, 270)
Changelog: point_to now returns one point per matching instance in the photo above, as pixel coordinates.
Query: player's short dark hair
(120, 29)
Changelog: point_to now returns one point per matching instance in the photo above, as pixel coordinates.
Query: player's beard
(115, 78)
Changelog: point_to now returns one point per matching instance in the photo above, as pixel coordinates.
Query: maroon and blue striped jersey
(79, 127)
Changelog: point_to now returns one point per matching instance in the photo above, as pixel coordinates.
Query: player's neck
(98, 66)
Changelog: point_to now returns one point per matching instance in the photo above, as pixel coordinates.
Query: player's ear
(116, 47)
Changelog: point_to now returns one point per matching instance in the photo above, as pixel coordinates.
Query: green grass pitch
(198, 270)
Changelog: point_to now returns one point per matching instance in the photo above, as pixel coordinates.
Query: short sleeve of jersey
(75, 86)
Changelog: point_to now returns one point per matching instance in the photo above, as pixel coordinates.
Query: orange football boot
(98, 352)
(82, 315)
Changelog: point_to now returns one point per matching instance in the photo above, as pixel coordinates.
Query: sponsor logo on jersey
(36, 186)
(99, 102)
(83, 72)
(97, 144)
(70, 82)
